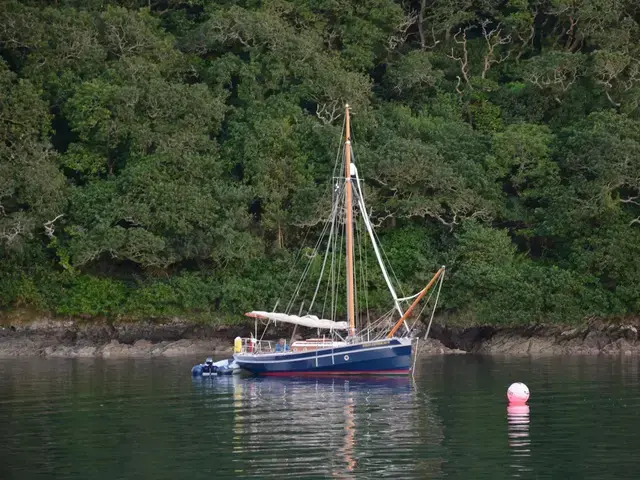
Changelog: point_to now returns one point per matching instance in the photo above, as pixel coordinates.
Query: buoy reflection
(519, 441)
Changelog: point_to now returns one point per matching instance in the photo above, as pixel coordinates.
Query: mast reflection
(328, 426)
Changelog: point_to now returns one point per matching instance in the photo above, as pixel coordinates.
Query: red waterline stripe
(327, 373)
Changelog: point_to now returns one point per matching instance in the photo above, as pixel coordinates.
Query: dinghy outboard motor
(208, 367)
(205, 369)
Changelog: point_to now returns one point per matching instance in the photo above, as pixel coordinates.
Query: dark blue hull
(386, 357)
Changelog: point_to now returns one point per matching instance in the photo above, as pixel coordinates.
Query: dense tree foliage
(164, 157)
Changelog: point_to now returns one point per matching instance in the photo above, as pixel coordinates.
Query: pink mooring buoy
(518, 393)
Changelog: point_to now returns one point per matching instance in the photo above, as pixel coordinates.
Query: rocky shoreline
(79, 338)
(595, 337)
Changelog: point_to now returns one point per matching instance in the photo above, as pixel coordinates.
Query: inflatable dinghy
(210, 368)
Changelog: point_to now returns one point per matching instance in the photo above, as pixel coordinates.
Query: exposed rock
(176, 337)
(68, 338)
(192, 347)
(597, 337)
(18, 347)
(115, 349)
(435, 347)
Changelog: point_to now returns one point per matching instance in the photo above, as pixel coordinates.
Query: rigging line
(338, 161)
(265, 330)
(363, 286)
(332, 271)
(330, 248)
(338, 271)
(267, 325)
(377, 239)
(415, 358)
(379, 245)
(384, 316)
(404, 299)
(425, 304)
(360, 195)
(326, 291)
(362, 247)
(341, 253)
(392, 291)
(307, 268)
(355, 276)
(434, 305)
(366, 279)
(377, 324)
(300, 284)
(421, 311)
(337, 258)
(356, 281)
(382, 319)
(389, 263)
(416, 295)
(338, 168)
(324, 261)
(383, 325)
(295, 263)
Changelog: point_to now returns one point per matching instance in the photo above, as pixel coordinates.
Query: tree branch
(328, 112)
(49, 229)
(401, 31)
(464, 59)
(493, 39)
(9, 234)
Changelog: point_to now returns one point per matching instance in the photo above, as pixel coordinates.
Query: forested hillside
(172, 157)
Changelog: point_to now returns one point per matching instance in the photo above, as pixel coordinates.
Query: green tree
(177, 157)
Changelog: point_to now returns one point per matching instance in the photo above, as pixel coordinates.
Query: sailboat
(382, 347)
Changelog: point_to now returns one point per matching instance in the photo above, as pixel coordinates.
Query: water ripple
(77, 419)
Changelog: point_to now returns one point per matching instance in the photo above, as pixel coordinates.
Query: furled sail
(310, 321)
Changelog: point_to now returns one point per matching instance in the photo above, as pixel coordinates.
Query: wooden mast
(349, 225)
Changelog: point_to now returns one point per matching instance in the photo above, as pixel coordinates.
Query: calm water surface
(147, 419)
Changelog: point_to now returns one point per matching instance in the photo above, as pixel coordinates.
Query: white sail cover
(307, 321)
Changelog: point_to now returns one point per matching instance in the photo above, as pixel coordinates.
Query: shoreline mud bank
(81, 338)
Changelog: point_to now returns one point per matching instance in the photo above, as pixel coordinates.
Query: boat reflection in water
(338, 427)
(519, 442)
